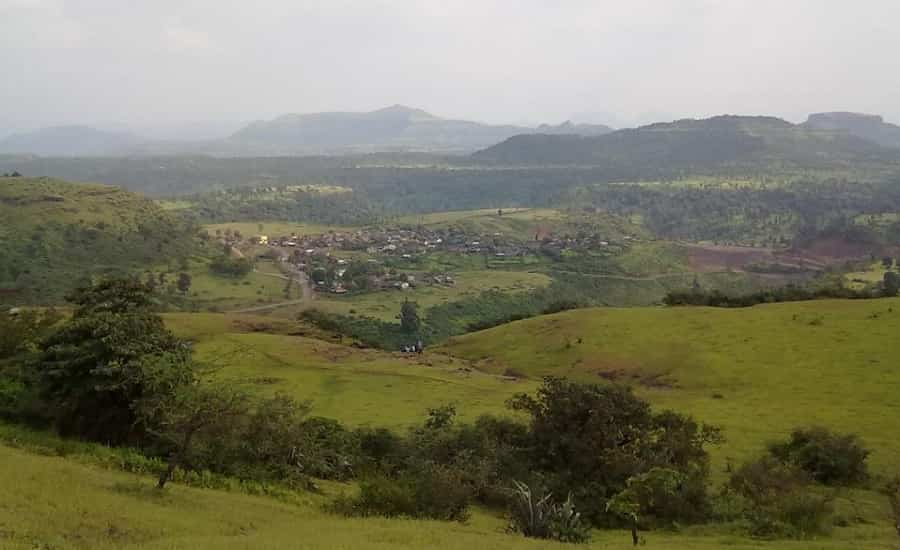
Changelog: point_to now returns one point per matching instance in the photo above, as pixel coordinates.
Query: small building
(263, 239)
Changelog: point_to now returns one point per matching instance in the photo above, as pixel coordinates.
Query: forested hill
(694, 144)
(55, 233)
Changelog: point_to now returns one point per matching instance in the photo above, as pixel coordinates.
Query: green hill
(55, 233)
(715, 142)
(758, 372)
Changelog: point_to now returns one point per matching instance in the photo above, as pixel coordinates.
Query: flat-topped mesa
(837, 120)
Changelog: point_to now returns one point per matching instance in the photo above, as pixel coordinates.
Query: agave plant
(540, 517)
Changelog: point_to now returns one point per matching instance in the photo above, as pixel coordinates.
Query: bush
(779, 500)
(830, 458)
(432, 492)
(535, 514)
(231, 267)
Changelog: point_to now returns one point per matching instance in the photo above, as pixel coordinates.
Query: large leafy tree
(589, 439)
(108, 361)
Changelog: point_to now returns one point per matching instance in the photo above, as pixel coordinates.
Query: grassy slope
(104, 510)
(758, 372)
(386, 305)
(361, 387)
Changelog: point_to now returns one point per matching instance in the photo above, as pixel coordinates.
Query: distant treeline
(789, 293)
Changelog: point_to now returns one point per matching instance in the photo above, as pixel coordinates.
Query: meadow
(386, 305)
(758, 372)
(359, 387)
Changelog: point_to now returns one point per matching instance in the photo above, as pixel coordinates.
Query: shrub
(779, 500)
(231, 267)
(830, 458)
(535, 514)
(432, 492)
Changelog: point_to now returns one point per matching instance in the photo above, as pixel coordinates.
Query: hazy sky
(152, 62)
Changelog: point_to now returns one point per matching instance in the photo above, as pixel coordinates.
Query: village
(395, 258)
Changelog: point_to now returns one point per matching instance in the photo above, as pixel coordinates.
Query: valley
(344, 337)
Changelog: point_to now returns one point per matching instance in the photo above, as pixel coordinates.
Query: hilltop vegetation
(55, 234)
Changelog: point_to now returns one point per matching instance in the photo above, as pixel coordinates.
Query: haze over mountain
(391, 129)
(870, 127)
(395, 128)
(70, 141)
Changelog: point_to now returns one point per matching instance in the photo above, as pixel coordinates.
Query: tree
(643, 494)
(184, 282)
(112, 357)
(193, 410)
(21, 330)
(891, 283)
(409, 317)
(589, 439)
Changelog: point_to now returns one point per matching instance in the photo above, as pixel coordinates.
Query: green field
(386, 305)
(485, 215)
(860, 279)
(360, 387)
(227, 293)
(274, 228)
(102, 509)
(758, 372)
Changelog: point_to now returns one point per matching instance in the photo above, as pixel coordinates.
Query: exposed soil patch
(814, 256)
(712, 258)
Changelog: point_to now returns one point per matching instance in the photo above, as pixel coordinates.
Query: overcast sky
(153, 62)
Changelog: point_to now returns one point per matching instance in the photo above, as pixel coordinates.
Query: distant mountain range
(830, 136)
(714, 141)
(392, 129)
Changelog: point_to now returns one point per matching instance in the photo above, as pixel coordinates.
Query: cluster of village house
(303, 252)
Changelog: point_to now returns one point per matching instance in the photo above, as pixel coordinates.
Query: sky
(155, 64)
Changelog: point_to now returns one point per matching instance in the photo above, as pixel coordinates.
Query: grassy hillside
(55, 233)
(757, 371)
(360, 387)
(103, 509)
